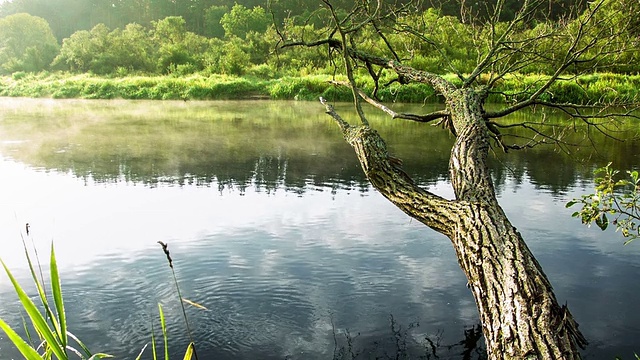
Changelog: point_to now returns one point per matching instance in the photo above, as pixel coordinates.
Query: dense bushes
(243, 41)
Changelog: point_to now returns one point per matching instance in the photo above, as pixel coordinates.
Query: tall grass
(49, 322)
(594, 88)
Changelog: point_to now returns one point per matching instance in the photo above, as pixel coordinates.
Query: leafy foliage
(180, 38)
(212, 17)
(26, 43)
(615, 201)
(241, 20)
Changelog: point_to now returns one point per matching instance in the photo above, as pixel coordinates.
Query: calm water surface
(273, 228)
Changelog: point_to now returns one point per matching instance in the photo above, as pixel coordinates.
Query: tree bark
(521, 318)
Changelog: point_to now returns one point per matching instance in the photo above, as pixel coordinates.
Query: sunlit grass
(593, 88)
(49, 322)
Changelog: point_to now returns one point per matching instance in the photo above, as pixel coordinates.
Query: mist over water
(274, 229)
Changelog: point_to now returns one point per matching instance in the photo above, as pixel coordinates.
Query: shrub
(18, 75)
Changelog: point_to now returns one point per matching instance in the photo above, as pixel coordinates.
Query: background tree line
(68, 16)
(214, 36)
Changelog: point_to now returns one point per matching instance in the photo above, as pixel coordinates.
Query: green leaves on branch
(615, 201)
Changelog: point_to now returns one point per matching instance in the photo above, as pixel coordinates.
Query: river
(273, 228)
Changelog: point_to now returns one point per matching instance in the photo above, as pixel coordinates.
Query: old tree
(520, 315)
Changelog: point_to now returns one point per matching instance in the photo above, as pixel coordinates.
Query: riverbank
(595, 88)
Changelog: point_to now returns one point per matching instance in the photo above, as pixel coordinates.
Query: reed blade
(25, 349)
(38, 321)
(80, 343)
(153, 342)
(142, 351)
(189, 354)
(56, 289)
(100, 356)
(163, 324)
(40, 287)
(194, 304)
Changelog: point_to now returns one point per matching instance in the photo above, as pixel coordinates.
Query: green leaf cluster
(614, 201)
(26, 43)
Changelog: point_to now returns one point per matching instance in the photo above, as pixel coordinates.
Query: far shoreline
(593, 89)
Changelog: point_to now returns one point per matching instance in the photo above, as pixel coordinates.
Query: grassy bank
(601, 87)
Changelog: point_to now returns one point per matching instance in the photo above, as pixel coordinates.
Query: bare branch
(498, 42)
(441, 85)
(436, 46)
(574, 110)
(349, 66)
(581, 43)
(333, 43)
(394, 115)
(386, 175)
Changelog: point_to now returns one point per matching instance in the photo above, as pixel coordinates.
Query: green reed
(191, 347)
(50, 323)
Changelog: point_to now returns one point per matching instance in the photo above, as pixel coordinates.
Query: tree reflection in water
(406, 342)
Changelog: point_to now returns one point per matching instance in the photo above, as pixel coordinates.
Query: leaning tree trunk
(520, 316)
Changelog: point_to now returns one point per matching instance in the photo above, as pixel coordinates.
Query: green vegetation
(615, 197)
(604, 87)
(50, 323)
(28, 44)
(222, 50)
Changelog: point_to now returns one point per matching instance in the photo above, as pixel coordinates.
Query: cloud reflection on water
(279, 241)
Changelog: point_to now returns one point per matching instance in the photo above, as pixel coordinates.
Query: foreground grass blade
(100, 356)
(153, 342)
(165, 249)
(57, 331)
(26, 328)
(164, 333)
(41, 290)
(39, 322)
(94, 356)
(189, 354)
(56, 289)
(82, 345)
(27, 351)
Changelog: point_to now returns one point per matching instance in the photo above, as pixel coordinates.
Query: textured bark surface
(520, 315)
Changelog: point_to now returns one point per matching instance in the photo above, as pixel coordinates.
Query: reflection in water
(259, 144)
(274, 229)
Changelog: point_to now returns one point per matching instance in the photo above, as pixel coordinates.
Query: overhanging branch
(386, 175)
(394, 115)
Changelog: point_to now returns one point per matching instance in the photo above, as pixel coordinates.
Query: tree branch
(394, 115)
(386, 175)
